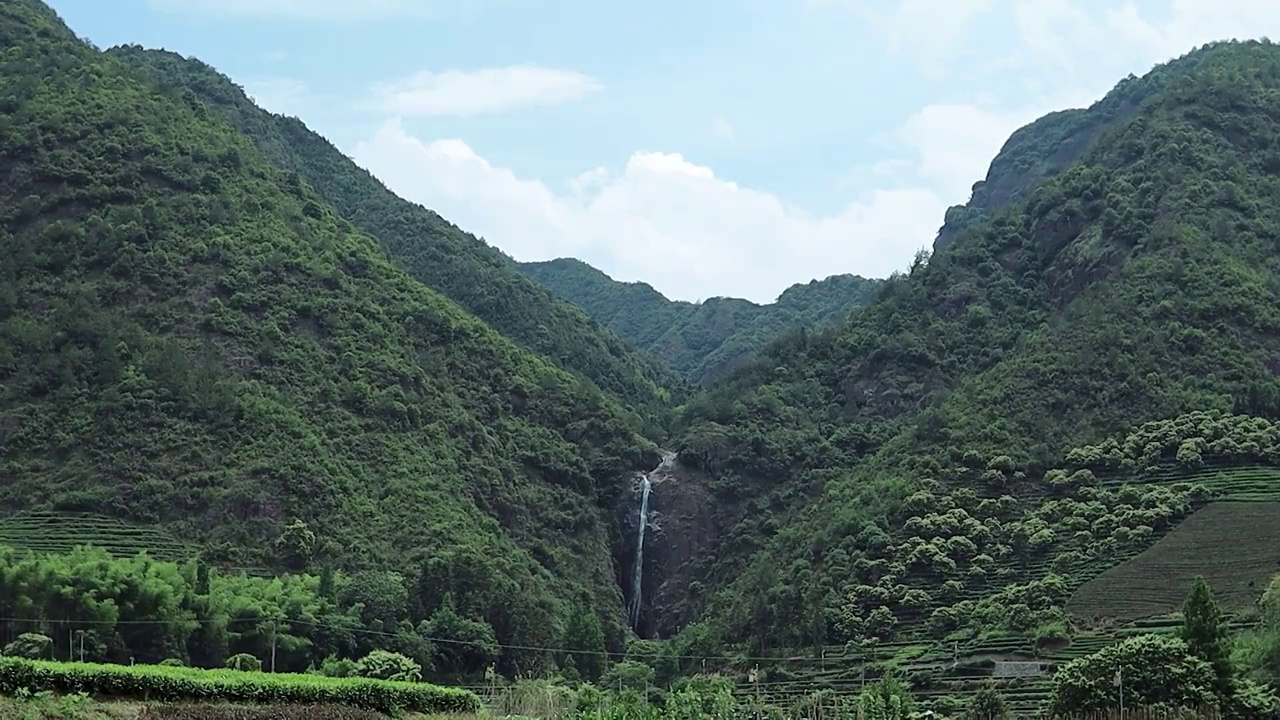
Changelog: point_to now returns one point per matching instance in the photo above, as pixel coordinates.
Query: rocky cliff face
(678, 542)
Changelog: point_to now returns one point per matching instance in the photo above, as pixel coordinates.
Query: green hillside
(463, 267)
(192, 340)
(700, 341)
(1139, 282)
(985, 565)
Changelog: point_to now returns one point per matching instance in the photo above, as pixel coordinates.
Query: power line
(1108, 476)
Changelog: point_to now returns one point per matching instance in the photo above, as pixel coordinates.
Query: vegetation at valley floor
(88, 606)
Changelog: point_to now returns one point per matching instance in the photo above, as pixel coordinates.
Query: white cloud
(663, 219)
(1076, 43)
(667, 220)
(475, 92)
(302, 9)
(1064, 40)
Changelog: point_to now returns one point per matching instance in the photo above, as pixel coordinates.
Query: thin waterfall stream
(637, 569)
(635, 606)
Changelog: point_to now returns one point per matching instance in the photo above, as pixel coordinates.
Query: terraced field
(1239, 484)
(51, 532)
(1234, 545)
(1233, 540)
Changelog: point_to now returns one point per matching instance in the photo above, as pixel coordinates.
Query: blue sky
(725, 147)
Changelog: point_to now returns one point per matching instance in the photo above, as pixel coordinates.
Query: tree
(462, 645)
(1152, 669)
(1205, 633)
(888, 698)
(987, 704)
(1260, 650)
(244, 662)
(585, 640)
(380, 595)
(295, 545)
(32, 646)
(384, 665)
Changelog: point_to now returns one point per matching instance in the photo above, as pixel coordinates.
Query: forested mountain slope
(1139, 282)
(472, 273)
(1044, 148)
(701, 341)
(191, 338)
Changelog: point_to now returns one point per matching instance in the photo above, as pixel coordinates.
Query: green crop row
(232, 712)
(169, 684)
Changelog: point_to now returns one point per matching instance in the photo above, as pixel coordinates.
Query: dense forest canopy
(464, 268)
(191, 337)
(701, 341)
(1137, 283)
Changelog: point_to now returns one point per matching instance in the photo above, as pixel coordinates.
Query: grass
(52, 707)
(59, 532)
(1234, 545)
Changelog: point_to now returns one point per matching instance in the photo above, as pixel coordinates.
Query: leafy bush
(386, 665)
(987, 704)
(32, 646)
(282, 712)
(337, 667)
(1156, 670)
(245, 662)
(170, 684)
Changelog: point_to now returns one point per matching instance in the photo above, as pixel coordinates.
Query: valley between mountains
(260, 414)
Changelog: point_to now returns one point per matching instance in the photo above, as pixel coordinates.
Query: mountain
(1050, 392)
(1019, 450)
(700, 341)
(477, 276)
(193, 341)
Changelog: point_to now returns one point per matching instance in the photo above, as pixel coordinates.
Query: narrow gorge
(666, 533)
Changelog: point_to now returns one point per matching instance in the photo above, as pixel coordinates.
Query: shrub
(172, 684)
(1156, 670)
(244, 662)
(32, 646)
(282, 712)
(987, 704)
(386, 665)
(337, 667)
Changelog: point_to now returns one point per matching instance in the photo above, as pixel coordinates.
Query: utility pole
(754, 676)
(1119, 682)
(273, 646)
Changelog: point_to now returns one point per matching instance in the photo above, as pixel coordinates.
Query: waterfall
(637, 570)
(646, 521)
